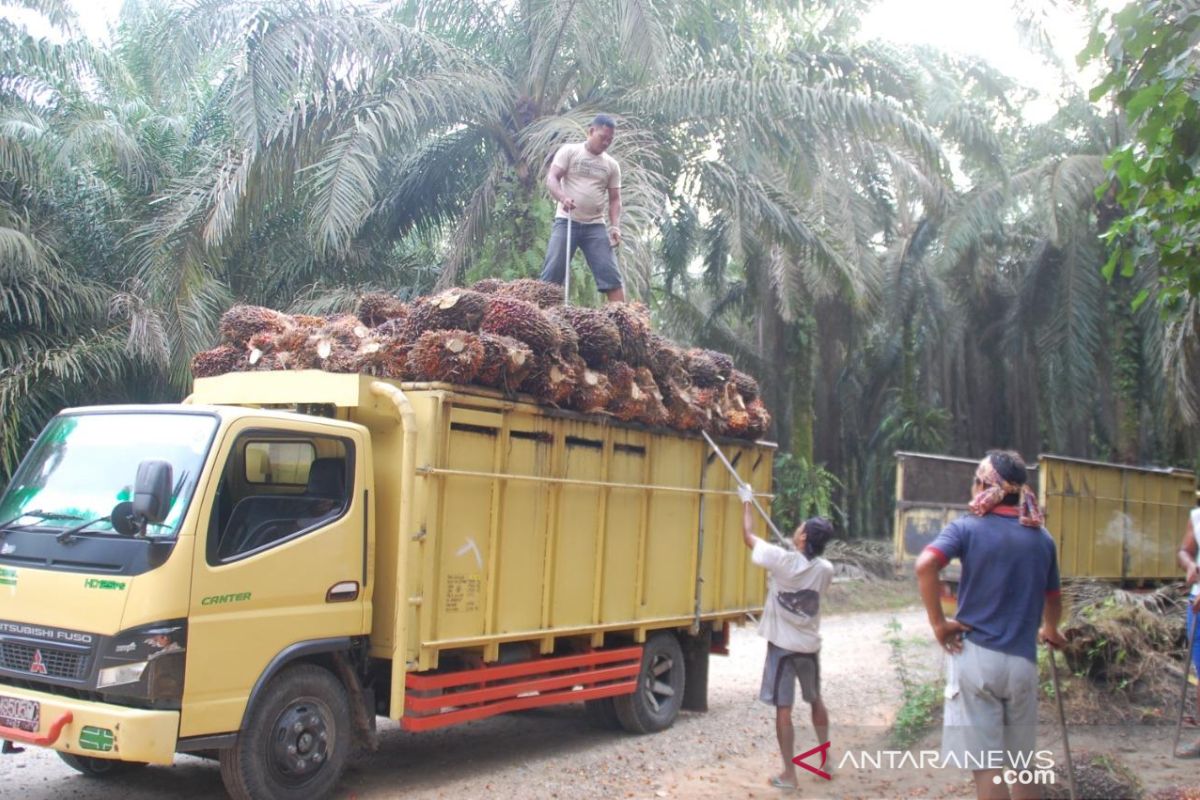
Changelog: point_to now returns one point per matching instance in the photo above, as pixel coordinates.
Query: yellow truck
(258, 572)
(1110, 521)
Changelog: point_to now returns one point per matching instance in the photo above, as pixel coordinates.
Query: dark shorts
(592, 239)
(781, 671)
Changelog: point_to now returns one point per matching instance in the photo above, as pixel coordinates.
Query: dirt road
(727, 753)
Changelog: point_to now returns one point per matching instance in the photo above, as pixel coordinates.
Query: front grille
(57, 663)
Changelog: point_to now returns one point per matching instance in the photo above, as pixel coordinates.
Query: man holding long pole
(586, 182)
(1009, 583)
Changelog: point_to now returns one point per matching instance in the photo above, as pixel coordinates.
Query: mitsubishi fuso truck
(256, 573)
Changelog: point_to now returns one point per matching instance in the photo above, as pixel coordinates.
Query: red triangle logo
(823, 749)
(37, 666)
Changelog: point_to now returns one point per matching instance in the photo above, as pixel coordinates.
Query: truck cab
(125, 640)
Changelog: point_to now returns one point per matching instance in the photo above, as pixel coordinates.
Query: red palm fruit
(702, 368)
(568, 339)
(487, 285)
(507, 362)
(599, 339)
(446, 356)
(746, 385)
(508, 316)
(241, 322)
(374, 308)
(633, 325)
(218, 361)
(551, 380)
(593, 391)
(540, 293)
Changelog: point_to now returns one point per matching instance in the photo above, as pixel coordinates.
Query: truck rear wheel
(98, 767)
(296, 740)
(602, 713)
(655, 703)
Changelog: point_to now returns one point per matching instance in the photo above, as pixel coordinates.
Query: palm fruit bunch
(496, 334)
(568, 339)
(397, 328)
(217, 361)
(241, 322)
(592, 391)
(551, 380)
(509, 316)
(633, 325)
(376, 308)
(453, 309)
(628, 401)
(760, 418)
(686, 412)
(383, 355)
(487, 285)
(653, 411)
(338, 334)
(599, 338)
(733, 411)
(540, 293)
(507, 362)
(666, 361)
(703, 368)
(445, 356)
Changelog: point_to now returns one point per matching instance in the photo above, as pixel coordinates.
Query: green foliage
(1152, 63)
(802, 490)
(919, 699)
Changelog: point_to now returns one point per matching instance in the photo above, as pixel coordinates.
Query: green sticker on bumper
(8, 577)
(91, 738)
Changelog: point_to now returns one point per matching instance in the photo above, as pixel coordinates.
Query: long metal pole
(778, 536)
(567, 264)
(1062, 721)
(1187, 670)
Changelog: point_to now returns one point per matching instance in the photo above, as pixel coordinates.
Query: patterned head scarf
(994, 490)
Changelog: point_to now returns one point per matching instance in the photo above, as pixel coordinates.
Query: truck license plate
(24, 715)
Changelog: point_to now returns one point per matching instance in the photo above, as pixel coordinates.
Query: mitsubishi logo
(37, 666)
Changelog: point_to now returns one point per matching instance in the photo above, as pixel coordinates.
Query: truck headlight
(145, 662)
(125, 673)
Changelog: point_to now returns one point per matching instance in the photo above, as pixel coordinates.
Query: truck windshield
(83, 465)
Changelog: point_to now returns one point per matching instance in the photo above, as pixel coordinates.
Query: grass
(919, 699)
(848, 597)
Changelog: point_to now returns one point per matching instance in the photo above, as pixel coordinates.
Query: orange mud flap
(10, 735)
(449, 698)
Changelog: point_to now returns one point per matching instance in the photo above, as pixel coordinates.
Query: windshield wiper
(51, 515)
(69, 534)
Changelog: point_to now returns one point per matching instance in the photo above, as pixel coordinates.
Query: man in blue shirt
(1009, 584)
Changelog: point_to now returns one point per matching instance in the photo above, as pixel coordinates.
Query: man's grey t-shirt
(1007, 571)
(586, 180)
(791, 616)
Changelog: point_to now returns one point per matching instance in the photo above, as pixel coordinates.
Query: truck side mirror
(152, 491)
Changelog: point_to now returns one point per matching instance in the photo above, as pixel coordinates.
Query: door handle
(342, 592)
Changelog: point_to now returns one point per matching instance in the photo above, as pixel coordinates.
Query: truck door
(282, 561)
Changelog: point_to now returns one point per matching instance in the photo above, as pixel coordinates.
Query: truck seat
(261, 519)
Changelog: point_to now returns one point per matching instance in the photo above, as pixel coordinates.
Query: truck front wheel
(296, 740)
(98, 767)
(659, 695)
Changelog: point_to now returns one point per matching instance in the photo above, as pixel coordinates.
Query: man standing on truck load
(1187, 560)
(1009, 582)
(790, 623)
(585, 180)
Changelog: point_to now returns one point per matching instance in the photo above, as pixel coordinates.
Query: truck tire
(296, 741)
(98, 767)
(656, 702)
(602, 713)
